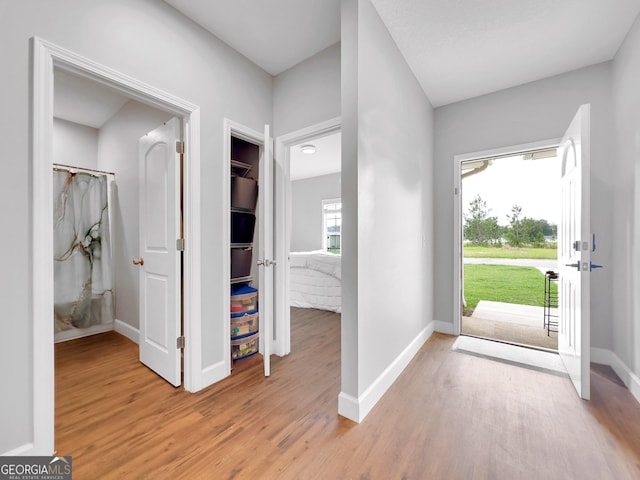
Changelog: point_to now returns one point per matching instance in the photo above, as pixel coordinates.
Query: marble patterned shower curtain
(83, 273)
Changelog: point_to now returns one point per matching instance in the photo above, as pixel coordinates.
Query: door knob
(138, 261)
(577, 265)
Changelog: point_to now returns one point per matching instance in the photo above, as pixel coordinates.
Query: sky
(533, 184)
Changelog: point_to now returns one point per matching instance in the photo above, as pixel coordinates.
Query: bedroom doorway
(308, 166)
(508, 207)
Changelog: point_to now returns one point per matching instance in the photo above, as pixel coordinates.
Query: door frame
(457, 211)
(282, 204)
(46, 57)
(231, 128)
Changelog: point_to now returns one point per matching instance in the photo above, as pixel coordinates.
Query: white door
(159, 259)
(574, 252)
(265, 251)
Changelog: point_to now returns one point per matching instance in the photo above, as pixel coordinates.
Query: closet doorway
(50, 64)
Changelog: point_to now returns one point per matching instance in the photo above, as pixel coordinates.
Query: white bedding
(315, 280)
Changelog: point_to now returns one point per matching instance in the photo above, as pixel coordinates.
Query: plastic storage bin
(241, 262)
(243, 325)
(242, 225)
(245, 346)
(244, 299)
(244, 193)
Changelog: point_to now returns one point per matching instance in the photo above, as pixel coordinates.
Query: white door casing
(282, 213)
(160, 260)
(265, 251)
(574, 251)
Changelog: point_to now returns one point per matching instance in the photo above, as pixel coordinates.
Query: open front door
(574, 250)
(265, 253)
(159, 261)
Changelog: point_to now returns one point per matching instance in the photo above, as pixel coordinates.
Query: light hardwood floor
(449, 416)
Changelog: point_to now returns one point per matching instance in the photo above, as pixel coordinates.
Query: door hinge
(180, 244)
(179, 147)
(180, 342)
(456, 191)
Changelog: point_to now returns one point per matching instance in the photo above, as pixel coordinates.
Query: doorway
(286, 147)
(483, 227)
(510, 213)
(47, 59)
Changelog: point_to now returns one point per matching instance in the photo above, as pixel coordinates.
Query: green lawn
(503, 283)
(510, 252)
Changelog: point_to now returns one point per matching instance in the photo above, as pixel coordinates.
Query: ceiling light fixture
(308, 149)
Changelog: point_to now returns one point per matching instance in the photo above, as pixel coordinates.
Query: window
(331, 225)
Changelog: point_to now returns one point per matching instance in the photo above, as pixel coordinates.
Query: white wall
(150, 41)
(308, 93)
(306, 210)
(387, 201)
(536, 111)
(625, 279)
(118, 153)
(74, 144)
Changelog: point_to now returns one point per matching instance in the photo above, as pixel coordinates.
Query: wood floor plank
(448, 416)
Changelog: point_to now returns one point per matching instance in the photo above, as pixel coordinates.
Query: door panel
(265, 253)
(574, 247)
(159, 262)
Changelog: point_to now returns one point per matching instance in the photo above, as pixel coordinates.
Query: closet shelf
(242, 245)
(242, 210)
(241, 280)
(241, 168)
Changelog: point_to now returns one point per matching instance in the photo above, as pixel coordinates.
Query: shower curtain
(83, 273)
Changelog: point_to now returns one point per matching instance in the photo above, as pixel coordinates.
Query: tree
(532, 232)
(479, 227)
(514, 231)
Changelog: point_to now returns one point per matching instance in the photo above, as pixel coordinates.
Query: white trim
(231, 128)
(74, 333)
(444, 327)
(132, 333)
(282, 217)
(23, 450)
(46, 57)
(216, 372)
(629, 378)
(192, 260)
(607, 357)
(357, 409)
(349, 407)
(458, 261)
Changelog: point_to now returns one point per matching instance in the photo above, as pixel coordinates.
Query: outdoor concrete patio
(511, 313)
(507, 322)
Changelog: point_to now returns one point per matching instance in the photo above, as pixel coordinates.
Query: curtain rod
(60, 166)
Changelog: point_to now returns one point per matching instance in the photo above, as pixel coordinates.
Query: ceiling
(326, 160)
(274, 34)
(457, 49)
(82, 101)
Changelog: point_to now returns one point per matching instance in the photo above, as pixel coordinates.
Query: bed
(315, 280)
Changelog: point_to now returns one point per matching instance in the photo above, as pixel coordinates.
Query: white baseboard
(348, 407)
(443, 327)
(629, 378)
(75, 333)
(23, 450)
(607, 357)
(356, 409)
(212, 374)
(127, 330)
